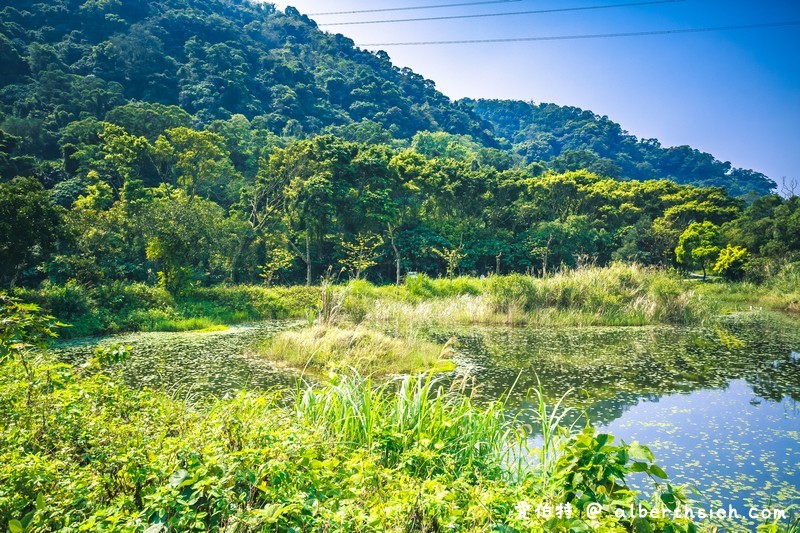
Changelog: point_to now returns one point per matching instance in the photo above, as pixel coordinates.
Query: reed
(413, 413)
(320, 347)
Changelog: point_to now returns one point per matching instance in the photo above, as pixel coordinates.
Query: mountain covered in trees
(569, 138)
(197, 142)
(71, 60)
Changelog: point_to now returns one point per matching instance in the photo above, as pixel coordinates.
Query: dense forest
(569, 138)
(187, 143)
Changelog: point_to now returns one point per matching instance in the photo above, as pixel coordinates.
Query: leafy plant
(361, 254)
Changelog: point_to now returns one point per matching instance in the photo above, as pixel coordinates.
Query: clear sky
(735, 94)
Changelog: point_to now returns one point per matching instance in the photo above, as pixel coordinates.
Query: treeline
(69, 63)
(161, 202)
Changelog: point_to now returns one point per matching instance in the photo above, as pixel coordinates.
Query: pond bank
(617, 295)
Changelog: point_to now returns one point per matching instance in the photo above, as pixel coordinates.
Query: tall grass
(416, 412)
(552, 422)
(618, 295)
(321, 346)
(781, 292)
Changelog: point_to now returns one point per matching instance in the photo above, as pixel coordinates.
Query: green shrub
(68, 301)
(419, 286)
(146, 319)
(423, 287)
(512, 291)
(298, 300)
(119, 297)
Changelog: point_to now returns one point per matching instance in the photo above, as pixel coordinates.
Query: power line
(483, 15)
(591, 36)
(383, 10)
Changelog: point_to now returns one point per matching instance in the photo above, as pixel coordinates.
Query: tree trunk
(305, 257)
(308, 260)
(237, 257)
(396, 254)
(546, 255)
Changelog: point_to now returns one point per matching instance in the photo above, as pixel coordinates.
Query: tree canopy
(193, 142)
(249, 72)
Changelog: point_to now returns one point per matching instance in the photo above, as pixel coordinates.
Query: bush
(423, 287)
(298, 300)
(512, 291)
(68, 302)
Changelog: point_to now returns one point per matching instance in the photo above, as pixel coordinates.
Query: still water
(717, 405)
(192, 364)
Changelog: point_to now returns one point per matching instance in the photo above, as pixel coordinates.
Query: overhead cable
(414, 8)
(588, 36)
(510, 13)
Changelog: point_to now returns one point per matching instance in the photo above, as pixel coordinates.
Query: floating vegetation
(720, 411)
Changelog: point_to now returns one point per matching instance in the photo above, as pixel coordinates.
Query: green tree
(698, 245)
(278, 258)
(361, 254)
(201, 160)
(125, 156)
(188, 238)
(30, 226)
(452, 257)
(730, 262)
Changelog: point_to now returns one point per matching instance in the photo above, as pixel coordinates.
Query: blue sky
(735, 94)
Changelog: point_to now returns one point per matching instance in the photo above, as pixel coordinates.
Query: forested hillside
(569, 138)
(75, 60)
(196, 142)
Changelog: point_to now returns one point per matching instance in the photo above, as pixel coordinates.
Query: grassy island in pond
(367, 351)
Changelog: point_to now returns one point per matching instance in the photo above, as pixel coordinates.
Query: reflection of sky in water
(736, 448)
(717, 405)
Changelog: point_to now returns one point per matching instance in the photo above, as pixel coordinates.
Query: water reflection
(612, 368)
(718, 405)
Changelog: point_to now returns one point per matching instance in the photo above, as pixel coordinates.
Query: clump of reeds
(370, 352)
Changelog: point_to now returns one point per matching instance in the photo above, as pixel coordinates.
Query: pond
(192, 363)
(717, 405)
